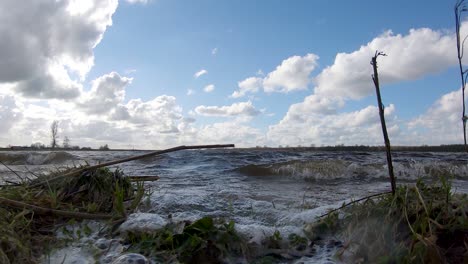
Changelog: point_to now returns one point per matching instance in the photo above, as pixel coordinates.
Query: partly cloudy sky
(155, 74)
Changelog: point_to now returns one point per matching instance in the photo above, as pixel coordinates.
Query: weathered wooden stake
(460, 7)
(375, 78)
(114, 162)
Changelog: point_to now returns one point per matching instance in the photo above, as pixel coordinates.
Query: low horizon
(442, 148)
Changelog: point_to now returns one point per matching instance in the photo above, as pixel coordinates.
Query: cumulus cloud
(317, 119)
(231, 132)
(422, 51)
(236, 109)
(441, 123)
(49, 86)
(98, 131)
(200, 73)
(315, 104)
(47, 46)
(162, 115)
(106, 93)
(249, 85)
(155, 123)
(10, 113)
(293, 74)
(47, 51)
(357, 127)
(214, 51)
(209, 88)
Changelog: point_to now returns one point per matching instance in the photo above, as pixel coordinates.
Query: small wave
(436, 169)
(308, 170)
(257, 170)
(313, 170)
(36, 158)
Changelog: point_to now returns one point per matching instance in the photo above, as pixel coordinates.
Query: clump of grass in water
(420, 224)
(200, 242)
(98, 192)
(213, 241)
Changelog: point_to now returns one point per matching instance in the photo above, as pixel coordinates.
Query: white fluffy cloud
(47, 52)
(441, 123)
(156, 123)
(231, 133)
(209, 88)
(236, 109)
(357, 127)
(314, 104)
(48, 46)
(318, 119)
(200, 73)
(10, 113)
(106, 93)
(160, 114)
(249, 85)
(422, 51)
(293, 74)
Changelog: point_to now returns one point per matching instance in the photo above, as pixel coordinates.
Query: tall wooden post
(375, 78)
(460, 7)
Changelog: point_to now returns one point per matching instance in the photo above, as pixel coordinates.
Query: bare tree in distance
(54, 134)
(375, 78)
(461, 7)
(66, 142)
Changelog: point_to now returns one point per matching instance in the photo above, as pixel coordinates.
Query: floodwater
(261, 190)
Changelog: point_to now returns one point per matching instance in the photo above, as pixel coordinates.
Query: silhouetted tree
(38, 145)
(54, 134)
(105, 147)
(66, 142)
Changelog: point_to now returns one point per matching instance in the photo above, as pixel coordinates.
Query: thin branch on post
(375, 78)
(460, 7)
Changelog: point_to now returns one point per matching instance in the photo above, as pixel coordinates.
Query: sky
(151, 74)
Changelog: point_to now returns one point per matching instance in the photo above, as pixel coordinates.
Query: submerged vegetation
(209, 240)
(32, 212)
(419, 224)
(198, 242)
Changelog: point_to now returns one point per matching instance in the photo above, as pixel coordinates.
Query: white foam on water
(310, 216)
(143, 222)
(256, 233)
(71, 255)
(281, 193)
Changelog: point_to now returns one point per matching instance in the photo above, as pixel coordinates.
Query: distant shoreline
(442, 148)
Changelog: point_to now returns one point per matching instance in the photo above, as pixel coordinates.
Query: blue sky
(166, 42)
(126, 68)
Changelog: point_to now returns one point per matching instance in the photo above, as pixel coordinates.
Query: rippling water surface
(262, 190)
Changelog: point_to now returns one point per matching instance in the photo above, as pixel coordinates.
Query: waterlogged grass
(213, 241)
(198, 242)
(420, 224)
(27, 232)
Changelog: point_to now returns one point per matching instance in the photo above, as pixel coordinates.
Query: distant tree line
(54, 139)
(364, 148)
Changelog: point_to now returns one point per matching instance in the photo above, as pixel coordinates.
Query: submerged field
(266, 202)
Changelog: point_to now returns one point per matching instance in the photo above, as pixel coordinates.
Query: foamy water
(261, 190)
